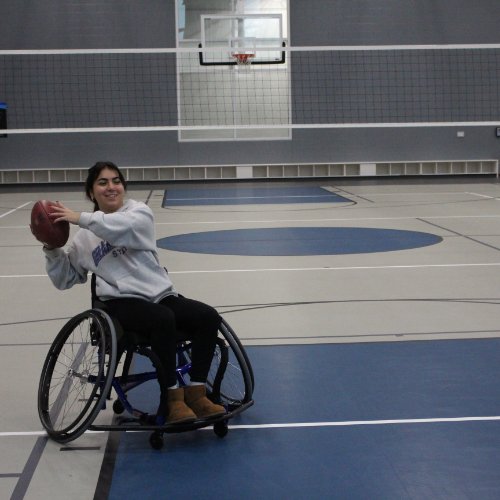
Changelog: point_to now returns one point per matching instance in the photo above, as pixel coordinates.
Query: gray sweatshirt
(120, 248)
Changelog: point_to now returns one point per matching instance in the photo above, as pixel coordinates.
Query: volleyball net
(210, 93)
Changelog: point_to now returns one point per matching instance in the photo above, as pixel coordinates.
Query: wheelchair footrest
(146, 423)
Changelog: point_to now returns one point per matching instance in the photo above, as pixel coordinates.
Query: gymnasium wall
(51, 24)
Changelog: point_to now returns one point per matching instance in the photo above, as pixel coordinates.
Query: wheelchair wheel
(77, 375)
(230, 379)
(230, 333)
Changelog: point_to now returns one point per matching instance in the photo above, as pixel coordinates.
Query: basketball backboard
(259, 35)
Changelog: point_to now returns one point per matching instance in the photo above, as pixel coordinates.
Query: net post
(3, 118)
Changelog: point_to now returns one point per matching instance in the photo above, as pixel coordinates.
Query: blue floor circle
(291, 241)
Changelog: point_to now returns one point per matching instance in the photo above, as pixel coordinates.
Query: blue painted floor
(241, 195)
(345, 393)
(428, 461)
(283, 241)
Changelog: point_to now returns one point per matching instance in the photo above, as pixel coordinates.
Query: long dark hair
(94, 173)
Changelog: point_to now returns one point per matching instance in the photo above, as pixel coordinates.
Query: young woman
(117, 243)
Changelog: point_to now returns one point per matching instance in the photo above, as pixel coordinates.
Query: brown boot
(196, 398)
(178, 411)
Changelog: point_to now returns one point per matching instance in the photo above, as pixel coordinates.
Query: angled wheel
(231, 333)
(77, 375)
(230, 379)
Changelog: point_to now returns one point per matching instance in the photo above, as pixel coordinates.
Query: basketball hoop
(243, 59)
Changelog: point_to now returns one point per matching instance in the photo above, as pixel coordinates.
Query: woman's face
(108, 191)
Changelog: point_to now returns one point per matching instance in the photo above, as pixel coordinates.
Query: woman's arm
(132, 228)
(61, 271)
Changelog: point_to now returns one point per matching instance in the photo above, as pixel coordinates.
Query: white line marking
(345, 268)
(26, 433)
(338, 219)
(13, 210)
(407, 193)
(299, 269)
(293, 221)
(36, 433)
(297, 425)
(353, 423)
(485, 196)
(24, 276)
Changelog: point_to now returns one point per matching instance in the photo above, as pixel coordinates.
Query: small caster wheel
(118, 407)
(221, 428)
(156, 441)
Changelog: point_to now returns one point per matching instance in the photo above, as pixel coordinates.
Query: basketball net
(243, 60)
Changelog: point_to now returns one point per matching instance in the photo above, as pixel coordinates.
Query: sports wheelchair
(80, 371)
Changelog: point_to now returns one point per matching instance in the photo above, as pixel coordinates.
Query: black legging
(163, 324)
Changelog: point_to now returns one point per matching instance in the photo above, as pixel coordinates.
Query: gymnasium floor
(368, 309)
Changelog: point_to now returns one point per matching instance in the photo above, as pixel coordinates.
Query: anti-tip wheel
(156, 441)
(118, 407)
(221, 428)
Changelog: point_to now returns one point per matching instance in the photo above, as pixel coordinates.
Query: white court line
(300, 269)
(403, 193)
(20, 433)
(297, 425)
(13, 210)
(353, 423)
(36, 433)
(327, 268)
(485, 196)
(336, 219)
(289, 221)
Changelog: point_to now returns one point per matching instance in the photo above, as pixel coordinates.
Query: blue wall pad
(249, 196)
(298, 241)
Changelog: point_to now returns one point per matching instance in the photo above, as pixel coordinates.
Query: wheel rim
(75, 363)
